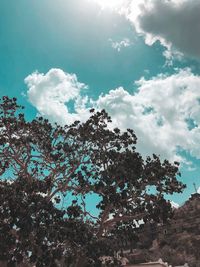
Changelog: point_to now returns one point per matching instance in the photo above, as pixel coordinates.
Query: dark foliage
(49, 163)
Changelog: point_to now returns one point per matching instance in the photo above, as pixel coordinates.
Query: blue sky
(140, 62)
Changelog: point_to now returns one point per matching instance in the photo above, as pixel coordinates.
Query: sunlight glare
(111, 4)
(130, 8)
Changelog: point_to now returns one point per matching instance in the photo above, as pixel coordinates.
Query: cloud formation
(174, 23)
(164, 111)
(121, 44)
(51, 93)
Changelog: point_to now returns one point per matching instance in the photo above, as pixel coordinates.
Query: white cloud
(121, 44)
(50, 93)
(175, 23)
(164, 111)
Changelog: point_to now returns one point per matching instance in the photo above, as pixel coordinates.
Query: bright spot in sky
(130, 8)
(112, 4)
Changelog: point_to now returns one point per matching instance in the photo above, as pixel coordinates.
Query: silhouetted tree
(44, 164)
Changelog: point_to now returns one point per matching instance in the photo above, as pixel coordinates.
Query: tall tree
(83, 159)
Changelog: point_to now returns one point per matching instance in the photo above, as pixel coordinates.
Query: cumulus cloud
(121, 44)
(52, 92)
(174, 23)
(164, 111)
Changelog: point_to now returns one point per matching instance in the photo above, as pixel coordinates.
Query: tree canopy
(48, 171)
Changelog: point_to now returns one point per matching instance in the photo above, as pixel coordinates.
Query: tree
(73, 162)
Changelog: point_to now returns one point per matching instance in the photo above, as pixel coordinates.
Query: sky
(138, 59)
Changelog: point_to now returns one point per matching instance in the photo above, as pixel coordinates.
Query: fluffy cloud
(51, 93)
(164, 111)
(119, 45)
(175, 23)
